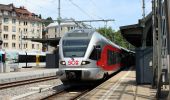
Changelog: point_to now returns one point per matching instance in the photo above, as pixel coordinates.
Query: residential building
(17, 24)
(53, 29)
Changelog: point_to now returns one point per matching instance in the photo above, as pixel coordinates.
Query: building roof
(50, 41)
(22, 12)
(8, 7)
(134, 33)
(55, 24)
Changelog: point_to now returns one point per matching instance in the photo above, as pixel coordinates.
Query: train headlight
(85, 62)
(62, 62)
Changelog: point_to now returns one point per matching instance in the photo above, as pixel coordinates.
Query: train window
(22, 58)
(75, 48)
(27, 58)
(31, 58)
(2, 57)
(42, 58)
(77, 35)
(96, 53)
(93, 55)
(113, 57)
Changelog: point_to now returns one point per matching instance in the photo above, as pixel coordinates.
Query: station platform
(121, 87)
(27, 73)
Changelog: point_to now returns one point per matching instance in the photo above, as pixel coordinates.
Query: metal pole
(160, 56)
(143, 8)
(167, 7)
(154, 64)
(59, 19)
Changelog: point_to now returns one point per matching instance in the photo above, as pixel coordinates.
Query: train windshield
(75, 48)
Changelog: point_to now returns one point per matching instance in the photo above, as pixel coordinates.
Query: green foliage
(114, 36)
(39, 16)
(48, 21)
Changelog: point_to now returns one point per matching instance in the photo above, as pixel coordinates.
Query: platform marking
(114, 87)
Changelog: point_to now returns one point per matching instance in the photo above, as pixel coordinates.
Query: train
(20, 59)
(85, 54)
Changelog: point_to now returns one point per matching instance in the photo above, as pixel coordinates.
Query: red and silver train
(87, 55)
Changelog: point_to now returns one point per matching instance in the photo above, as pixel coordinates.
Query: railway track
(69, 93)
(73, 91)
(25, 82)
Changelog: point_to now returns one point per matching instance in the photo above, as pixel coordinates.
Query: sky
(124, 12)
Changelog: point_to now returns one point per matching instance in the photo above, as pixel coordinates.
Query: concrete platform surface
(27, 73)
(121, 87)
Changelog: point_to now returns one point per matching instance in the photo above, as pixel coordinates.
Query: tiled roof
(6, 7)
(22, 13)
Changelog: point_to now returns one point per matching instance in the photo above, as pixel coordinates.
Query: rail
(25, 82)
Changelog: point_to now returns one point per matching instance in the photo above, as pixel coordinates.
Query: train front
(74, 50)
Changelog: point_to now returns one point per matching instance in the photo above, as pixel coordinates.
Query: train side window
(93, 55)
(113, 57)
(42, 58)
(96, 53)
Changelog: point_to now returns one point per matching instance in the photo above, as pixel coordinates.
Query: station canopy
(140, 33)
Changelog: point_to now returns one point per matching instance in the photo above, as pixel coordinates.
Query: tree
(40, 16)
(48, 21)
(114, 36)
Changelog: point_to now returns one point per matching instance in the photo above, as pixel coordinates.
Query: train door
(37, 60)
(110, 58)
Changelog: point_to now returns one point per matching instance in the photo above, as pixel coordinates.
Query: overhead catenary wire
(94, 4)
(41, 7)
(80, 9)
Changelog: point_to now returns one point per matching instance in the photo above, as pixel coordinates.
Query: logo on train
(72, 61)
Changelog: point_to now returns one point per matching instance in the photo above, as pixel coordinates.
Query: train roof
(86, 33)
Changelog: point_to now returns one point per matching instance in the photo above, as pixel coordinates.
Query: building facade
(17, 24)
(53, 29)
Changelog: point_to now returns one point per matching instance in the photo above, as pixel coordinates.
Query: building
(53, 29)
(17, 24)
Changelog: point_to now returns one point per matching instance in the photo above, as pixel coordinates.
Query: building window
(6, 28)
(20, 22)
(5, 36)
(37, 46)
(33, 24)
(6, 20)
(13, 37)
(13, 21)
(25, 23)
(38, 31)
(13, 14)
(25, 30)
(19, 45)
(68, 28)
(5, 45)
(55, 30)
(33, 47)
(13, 28)
(13, 45)
(19, 29)
(5, 12)
(25, 46)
